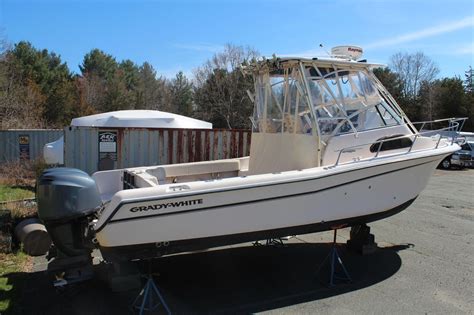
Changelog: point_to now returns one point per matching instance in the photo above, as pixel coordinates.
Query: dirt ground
(423, 264)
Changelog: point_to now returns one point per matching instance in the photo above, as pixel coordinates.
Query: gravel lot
(424, 265)
(436, 272)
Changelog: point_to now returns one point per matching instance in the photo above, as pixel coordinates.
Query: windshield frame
(303, 76)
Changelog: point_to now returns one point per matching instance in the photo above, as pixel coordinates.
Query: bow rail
(450, 133)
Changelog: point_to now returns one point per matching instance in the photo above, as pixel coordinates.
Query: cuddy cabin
(308, 113)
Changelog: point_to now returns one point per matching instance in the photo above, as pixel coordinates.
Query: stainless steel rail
(455, 126)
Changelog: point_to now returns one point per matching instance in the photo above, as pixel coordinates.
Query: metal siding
(133, 148)
(154, 147)
(10, 148)
(142, 147)
(192, 146)
(81, 148)
(198, 146)
(174, 147)
(94, 147)
(143, 150)
(69, 147)
(82, 152)
(165, 147)
(214, 146)
(125, 150)
(228, 135)
(135, 143)
(218, 146)
(208, 145)
(180, 147)
(67, 141)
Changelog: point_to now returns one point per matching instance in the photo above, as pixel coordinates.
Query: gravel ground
(436, 275)
(423, 265)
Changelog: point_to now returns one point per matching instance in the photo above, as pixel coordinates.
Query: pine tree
(182, 95)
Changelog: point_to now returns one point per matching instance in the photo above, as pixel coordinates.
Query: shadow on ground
(231, 280)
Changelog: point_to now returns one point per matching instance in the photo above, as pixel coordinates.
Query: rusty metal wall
(144, 147)
(37, 138)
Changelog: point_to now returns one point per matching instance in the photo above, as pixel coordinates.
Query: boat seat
(200, 171)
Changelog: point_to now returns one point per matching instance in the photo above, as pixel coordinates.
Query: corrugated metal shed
(143, 146)
(29, 142)
(81, 148)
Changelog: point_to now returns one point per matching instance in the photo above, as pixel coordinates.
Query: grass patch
(8, 193)
(10, 263)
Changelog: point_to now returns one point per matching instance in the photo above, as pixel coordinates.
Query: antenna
(322, 47)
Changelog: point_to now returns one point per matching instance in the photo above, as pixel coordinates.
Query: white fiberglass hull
(350, 194)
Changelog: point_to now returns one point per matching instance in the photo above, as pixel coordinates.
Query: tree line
(38, 90)
(412, 80)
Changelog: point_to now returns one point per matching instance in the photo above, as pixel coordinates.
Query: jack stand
(334, 259)
(274, 241)
(144, 301)
(270, 241)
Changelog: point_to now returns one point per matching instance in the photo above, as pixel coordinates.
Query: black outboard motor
(67, 200)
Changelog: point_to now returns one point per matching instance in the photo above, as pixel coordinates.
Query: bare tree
(4, 44)
(430, 105)
(469, 81)
(22, 107)
(413, 69)
(220, 89)
(229, 59)
(92, 89)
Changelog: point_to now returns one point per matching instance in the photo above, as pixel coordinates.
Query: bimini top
(140, 119)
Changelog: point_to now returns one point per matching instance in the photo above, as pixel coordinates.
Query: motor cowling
(67, 199)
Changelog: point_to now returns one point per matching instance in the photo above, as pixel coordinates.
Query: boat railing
(450, 133)
(458, 121)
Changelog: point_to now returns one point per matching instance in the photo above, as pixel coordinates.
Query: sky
(181, 35)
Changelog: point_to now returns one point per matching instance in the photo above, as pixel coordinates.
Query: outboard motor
(67, 201)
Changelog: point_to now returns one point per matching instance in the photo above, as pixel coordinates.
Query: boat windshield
(323, 100)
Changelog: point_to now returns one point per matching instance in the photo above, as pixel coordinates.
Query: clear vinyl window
(301, 99)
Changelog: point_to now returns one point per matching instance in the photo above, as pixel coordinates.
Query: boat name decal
(174, 204)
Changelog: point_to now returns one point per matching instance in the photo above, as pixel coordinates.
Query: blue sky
(181, 35)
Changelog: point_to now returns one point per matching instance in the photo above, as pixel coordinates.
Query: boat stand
(269, 242)
(334, 260)
(145, 301)
(361, 240)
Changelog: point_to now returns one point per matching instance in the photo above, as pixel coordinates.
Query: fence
(92, 149)
(25, 144)
(87, 148)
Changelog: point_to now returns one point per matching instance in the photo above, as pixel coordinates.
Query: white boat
(330, 148)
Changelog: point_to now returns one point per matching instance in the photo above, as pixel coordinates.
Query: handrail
(455, 125)
(440, 120)
(451, 120)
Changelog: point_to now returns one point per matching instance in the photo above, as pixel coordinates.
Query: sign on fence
(24, 142)
(107, 150)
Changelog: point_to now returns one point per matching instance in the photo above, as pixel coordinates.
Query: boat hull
(348, 197)
(158, 249)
